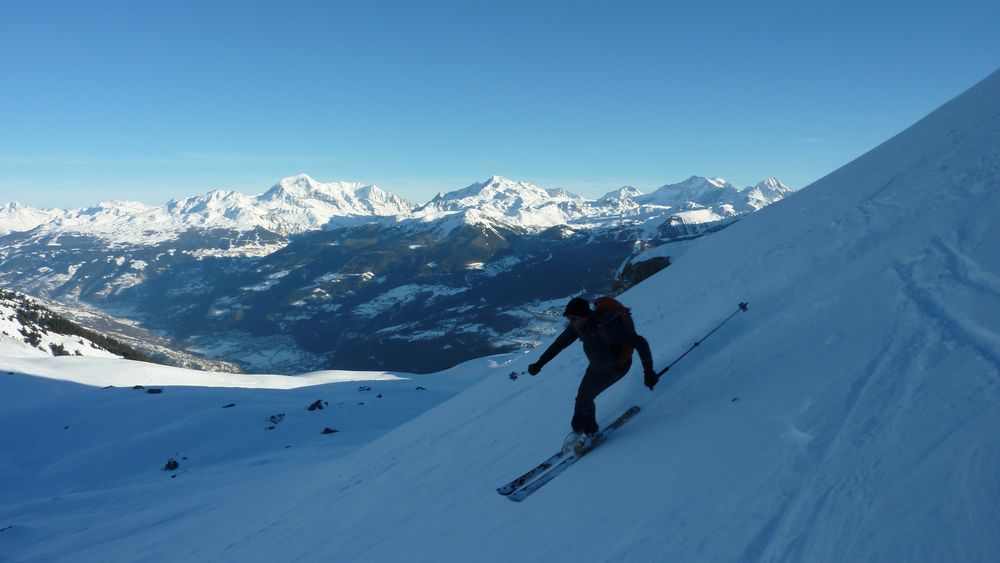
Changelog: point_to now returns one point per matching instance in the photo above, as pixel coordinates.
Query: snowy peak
(302, 195)
(622, 193)
(496, 191)
(699, 192)
(511, 203)
(693, 193)
(773, 184)
(714, 182)
(15, 217)
(216, 209)
(216, 201)
(303, 186)
(765, 193)
(700, 184)
(303, 182)
(116, 208)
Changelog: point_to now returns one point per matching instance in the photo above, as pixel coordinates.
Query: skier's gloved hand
(533, 369)
(650, 379)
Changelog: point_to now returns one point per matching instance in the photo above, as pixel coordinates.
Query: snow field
(78, 457)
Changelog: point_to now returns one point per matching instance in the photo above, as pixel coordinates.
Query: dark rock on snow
(634, 273)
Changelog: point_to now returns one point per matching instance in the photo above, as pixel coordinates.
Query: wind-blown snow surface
(851, 414)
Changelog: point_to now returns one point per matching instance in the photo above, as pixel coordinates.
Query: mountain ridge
(300, 203)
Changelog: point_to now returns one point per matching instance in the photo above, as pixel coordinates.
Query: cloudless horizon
(155, 101)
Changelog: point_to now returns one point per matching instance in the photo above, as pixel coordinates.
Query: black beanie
(577, 307)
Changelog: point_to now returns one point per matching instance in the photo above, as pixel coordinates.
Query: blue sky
(148, 100)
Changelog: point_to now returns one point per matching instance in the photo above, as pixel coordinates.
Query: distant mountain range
(299, 203)
(310, 275)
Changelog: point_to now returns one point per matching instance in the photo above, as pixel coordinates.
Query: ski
(519, 494)
(537, 470)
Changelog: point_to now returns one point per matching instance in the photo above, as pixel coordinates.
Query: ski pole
(742, 307)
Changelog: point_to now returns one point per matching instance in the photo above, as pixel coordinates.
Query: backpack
(614, 322)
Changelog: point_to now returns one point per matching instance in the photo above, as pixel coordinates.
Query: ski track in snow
(925, 285)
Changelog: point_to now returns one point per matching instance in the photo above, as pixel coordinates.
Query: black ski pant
(595, 381)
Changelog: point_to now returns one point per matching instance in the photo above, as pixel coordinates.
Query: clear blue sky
(147, 100)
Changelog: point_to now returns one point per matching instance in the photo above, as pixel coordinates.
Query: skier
(608, 337)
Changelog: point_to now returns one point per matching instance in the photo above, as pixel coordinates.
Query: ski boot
(578, 442)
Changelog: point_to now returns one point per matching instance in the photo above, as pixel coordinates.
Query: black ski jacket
(601, 344)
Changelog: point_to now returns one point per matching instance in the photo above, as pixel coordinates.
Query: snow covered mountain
(695, 191)
(850, 414)
(765, 193)
(296, 204)
(527, 207)
(278, 281)
(299, 203)
(16, 217)
(708, 193)
(505, 202)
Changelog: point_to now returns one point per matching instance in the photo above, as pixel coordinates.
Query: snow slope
(14, 342)
(851, 414)
(29, 328)
(76, 455)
